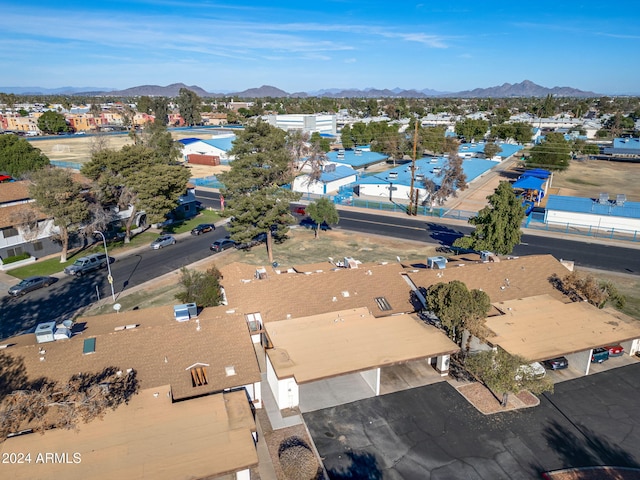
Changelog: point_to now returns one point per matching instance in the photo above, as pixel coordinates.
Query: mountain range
(522, 89)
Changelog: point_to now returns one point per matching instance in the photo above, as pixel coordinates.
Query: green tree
(18, 156)
(160, 109)
(491, 149)
(58, 196)
(144, 104)
(322, 210)
(139, 177)
(157, 137)
(554, 153)
(472, 129)
(52, 122)
(497, 224)
(503, 374)
(253, 191)
(321, 143)
(189, 104)
(201, 288)
(457, 308)
(432, 139)
(345, 137)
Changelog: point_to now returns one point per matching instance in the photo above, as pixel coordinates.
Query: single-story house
(331, 179)
(541, 327)
(152, 437)
(597, 215)
(217, 146)
(395, 183)
(317, 348)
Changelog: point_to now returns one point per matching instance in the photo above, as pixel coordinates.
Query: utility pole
(413, 193)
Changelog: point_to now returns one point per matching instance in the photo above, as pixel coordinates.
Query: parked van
(87, 264)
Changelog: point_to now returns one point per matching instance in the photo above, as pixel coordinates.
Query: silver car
(30, 284)
(163, 241)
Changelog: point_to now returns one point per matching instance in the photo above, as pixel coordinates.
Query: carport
(313, 355)
(541, 327)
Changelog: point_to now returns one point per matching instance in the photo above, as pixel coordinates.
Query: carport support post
(442, 365)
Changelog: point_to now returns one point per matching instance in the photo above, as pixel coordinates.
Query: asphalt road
(584, 253)
(433, 432)
(63, 299)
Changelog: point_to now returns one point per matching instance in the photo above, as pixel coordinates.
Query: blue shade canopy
(529, 183)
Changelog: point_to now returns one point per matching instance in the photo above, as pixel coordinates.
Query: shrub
(16, 258)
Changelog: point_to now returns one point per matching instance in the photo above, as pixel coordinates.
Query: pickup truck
(87, 264)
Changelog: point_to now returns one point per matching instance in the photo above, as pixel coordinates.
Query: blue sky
(308, 46)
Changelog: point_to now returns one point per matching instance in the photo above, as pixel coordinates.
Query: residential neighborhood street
(433, 432)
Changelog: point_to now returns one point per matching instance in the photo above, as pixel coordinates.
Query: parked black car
(30, 284)
(223, 244)
(556, 363)
(203, 228)
(307, 222)
(258, 239)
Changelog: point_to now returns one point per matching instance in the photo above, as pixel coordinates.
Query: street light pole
(109, 278)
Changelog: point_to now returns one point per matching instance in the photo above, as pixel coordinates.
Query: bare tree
(45, 404)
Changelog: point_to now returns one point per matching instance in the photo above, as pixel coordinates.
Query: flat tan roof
(347, 341)
(149, 438)
(541, 327)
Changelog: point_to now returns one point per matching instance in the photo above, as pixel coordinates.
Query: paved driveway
(431, 432)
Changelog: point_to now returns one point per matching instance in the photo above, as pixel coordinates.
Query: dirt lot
(587, 178)
(77, 148)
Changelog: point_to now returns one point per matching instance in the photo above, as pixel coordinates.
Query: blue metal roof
(350, 158)
(588, 205)
(508, 149)
(627, 143)
(225, 143)
(428, 167)
(341, 171)
(187, 141)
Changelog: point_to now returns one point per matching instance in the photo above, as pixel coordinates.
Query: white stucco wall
(594, 221)
(285, 391)
(372, 377)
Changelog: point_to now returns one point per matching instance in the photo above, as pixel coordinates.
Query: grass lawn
(52, 265)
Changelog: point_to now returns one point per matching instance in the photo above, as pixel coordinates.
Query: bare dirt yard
(77, 148)
(588, 178)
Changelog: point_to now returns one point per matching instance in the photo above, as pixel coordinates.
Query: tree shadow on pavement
(442, 234)
(586, 449)
(361, 466)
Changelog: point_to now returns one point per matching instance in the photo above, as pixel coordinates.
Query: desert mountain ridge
(525, 88)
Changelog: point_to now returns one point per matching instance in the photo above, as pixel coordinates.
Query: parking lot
(433, 432)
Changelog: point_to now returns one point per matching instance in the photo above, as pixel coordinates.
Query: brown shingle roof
(160, 349)
(14, 191)
(9, 216)
(291, 295)
(505, 280)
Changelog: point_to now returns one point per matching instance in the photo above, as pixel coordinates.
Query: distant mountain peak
(526, 88)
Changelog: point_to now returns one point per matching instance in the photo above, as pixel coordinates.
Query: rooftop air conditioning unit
(603, 199)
